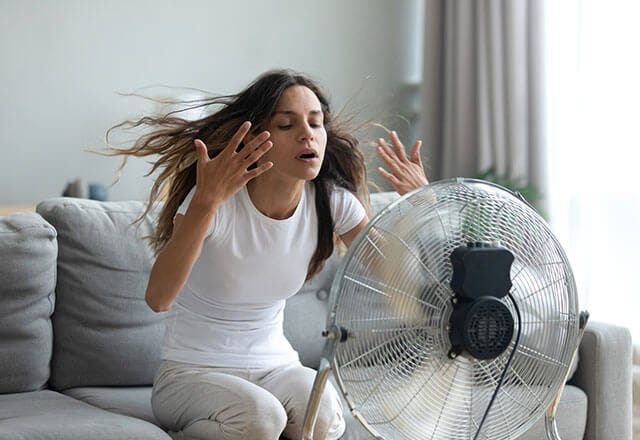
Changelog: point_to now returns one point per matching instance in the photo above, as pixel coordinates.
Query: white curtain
(482, 89)
(548, 91)
(593, 89)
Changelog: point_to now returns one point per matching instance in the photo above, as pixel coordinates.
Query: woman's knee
(218, 406)
(294, 386)
(265, 419)
(257, 419)
(330, 424)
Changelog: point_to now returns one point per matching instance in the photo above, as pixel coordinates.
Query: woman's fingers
(201, 151)
(258, 170)
(257, 153)
(398, 148)
(384, 146)
(202, 156)
(388, 157)
(390, 177)
(398, 151)
(405, 173)
(255, 143)
(223, 175)
(415, 153)
(237, 137)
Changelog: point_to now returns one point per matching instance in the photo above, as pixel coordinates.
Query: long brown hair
(171, 139)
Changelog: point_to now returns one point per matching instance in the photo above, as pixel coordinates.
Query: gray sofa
(79, 346)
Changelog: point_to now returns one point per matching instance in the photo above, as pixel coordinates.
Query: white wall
(62, 62)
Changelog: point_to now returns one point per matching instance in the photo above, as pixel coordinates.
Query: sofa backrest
(28, 250)
(104, 332)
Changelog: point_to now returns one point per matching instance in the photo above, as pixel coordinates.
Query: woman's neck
(275, 199)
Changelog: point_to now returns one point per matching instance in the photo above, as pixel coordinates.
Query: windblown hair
(171, 139)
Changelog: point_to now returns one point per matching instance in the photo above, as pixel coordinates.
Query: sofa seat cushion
(105, 334)
(571, 417)
(128, 401)
(28, 250)
(135, 402)
(47, 415)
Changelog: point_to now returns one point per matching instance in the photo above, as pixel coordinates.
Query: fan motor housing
(480, 324)
(483, 327)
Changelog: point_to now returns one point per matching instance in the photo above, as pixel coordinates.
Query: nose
(306, 133)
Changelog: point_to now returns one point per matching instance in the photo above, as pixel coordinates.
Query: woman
(248, 218)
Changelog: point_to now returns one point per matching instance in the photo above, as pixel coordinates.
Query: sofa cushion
(128, 401)
(47, 415)
(105, 334)
(28, 250)
(305, 314)
(381, 200)
(571, 417)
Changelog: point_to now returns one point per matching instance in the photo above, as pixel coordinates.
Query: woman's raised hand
(219, 178)
(407, 173)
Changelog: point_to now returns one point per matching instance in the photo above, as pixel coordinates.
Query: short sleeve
(182, 209)
(347, 210)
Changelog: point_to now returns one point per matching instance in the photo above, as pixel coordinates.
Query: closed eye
(289, 126)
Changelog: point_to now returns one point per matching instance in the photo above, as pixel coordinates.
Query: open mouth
(307, 155)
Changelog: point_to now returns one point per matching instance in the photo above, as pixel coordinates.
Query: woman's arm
(349, 236)
(407, 174)
(217, 180)
(175, 261)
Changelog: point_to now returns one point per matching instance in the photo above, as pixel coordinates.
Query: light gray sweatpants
(211, 403)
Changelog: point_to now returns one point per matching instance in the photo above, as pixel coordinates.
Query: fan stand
(336, 335)
(314, 402)
(550, 415)
(311, 414)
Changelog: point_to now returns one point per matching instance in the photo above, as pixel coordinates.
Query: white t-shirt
(230, 311)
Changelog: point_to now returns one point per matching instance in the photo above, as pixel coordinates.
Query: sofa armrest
(604, 374)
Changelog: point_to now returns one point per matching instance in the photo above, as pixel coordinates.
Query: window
(593, 100)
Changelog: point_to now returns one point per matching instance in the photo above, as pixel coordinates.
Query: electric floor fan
(454, 315)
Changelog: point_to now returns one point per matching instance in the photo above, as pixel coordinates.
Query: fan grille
(392, 293)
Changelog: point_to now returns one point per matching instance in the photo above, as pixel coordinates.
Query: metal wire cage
(392, 299)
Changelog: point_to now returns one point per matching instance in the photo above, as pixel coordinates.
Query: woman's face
(298, 135)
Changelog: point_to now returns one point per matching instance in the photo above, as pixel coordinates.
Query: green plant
(528, 191)
(532, 194)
